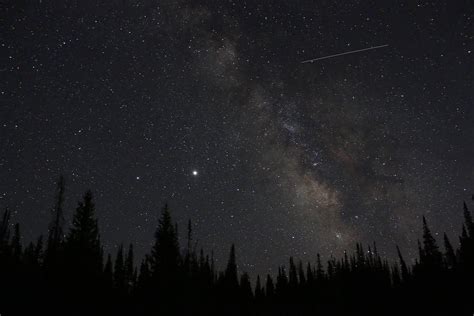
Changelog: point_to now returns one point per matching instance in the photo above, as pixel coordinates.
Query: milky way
(206, 106)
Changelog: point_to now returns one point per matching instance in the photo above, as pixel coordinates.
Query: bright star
(195, 173)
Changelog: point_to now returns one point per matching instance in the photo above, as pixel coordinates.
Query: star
(195, 173)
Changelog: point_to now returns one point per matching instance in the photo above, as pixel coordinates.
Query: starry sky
(206, 105)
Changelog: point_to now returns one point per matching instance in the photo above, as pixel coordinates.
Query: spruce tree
(449, 254)
(403, 266)
(143, 277)
(259, 293)
(230, 274)
(309, 274)
(84, 251)
(301, 276)
(432, 257)
(293, 275)
(119, 270)
(5, 231)
(56, 233)
(108, 273)
(164, 257)
(129, 269)
(319, 268)
(16, 244)
(245, 288)
(269, 286)
(468, 221)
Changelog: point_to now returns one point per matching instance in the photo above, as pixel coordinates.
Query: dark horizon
(139, 254)
(182, 223)
(68, 270)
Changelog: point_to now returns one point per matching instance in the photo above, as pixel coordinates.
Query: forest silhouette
(69, 273)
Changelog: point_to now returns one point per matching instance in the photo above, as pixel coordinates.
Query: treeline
(69, 273)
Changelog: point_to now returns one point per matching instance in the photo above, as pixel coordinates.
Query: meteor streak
(345, 53)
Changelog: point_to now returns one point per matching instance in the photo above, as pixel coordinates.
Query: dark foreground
(69, 274)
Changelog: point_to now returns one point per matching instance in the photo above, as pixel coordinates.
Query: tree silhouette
(231, 279)
(56, 232)
(164, 262)
(174, 281)
(403, 266)
(130, 277)
(5, 233)
(109, 273)
(83, 256)
(450, 255)
(430, 256)
(119, 270)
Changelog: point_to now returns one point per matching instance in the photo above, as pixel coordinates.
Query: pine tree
(282, 282)
(119, 270)
(403, 266)
(245, 287)
(432, 257)
(5, 230)
(38, 253)
(165, 264)
(165, 252)
(269, 286)
(259, 293)
(143, 276)
(129, 269)
(293, 276)
(301, 276)
(319, 268)
(16, 244)
(468, 221)
(190, 237)
(83, 241)
(466, 240)
(108, 273)
(309, 274)
(230, 274)
(56, 233)
(188, 255)
(449, 255)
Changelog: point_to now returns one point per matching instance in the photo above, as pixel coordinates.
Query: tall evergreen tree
(293, 275)
(119, 270)
(230, 274)
(56, 227)
(403, 266)
(319, 268)
(468, 221)
(144, 276)
(189, 237)
(246, 288)
(309, 274)
(83, 241)
(301, 275)
(109, 273)
(269, 286)
(259, 292)
(449, 254)
(164, 257)
(129, 269)
(16, 244)
(5, 228)
(33, 253)
(431, 254)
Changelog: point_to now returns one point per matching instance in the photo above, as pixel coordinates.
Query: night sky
(206, 105)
